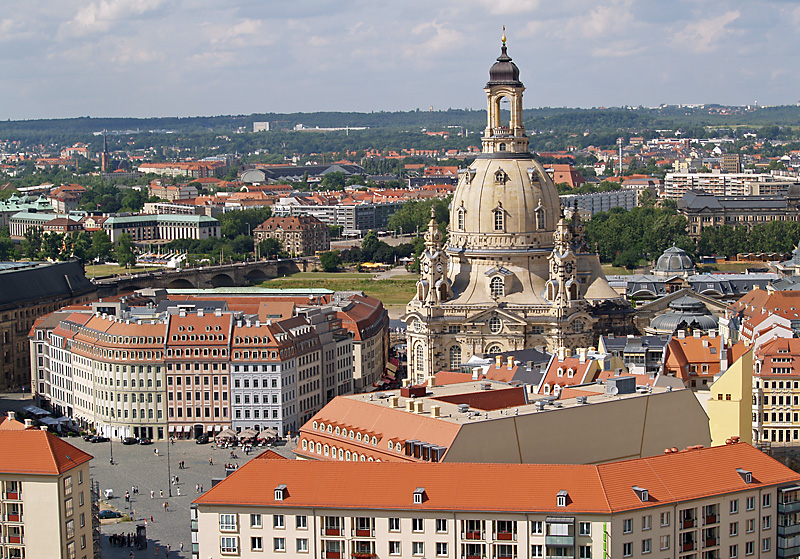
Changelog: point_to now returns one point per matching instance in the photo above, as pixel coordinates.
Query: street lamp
(111, 445)
(169, 470)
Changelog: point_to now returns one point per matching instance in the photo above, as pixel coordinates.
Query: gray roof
(674, 261)
(685, 313)
(699, 200)
(41, 281)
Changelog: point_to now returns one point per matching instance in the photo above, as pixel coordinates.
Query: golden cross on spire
(504, 34)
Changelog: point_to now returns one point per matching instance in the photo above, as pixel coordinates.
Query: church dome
(504, 71)
(686, 313)
(673, 262)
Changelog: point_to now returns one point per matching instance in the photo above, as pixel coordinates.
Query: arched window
(499, 224)
(497, 287)
(455, 357)
(502, 147)
(539, 218)
(461, 218)
(494, 349)
(495, 325)
(419, 357)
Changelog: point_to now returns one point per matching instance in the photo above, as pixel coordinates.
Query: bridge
(226, 275)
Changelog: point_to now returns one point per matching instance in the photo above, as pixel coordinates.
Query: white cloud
(704, 35)
(101, 16)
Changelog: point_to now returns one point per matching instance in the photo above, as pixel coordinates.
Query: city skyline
(158, 58)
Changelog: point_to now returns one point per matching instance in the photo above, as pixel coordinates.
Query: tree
(242, 244)
(7, 251)
(82, 247)
(369, 245)
(334, 180)
(330, 261)
(336, 231)
(51, 245)
(66, 247)
(124, 251)
(32, 242)
(269, 248)
(101, 245)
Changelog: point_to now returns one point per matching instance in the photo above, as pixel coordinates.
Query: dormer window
(280, 492)
(747, 475)
(497, 287)
(561, 498)
(643, 494)
(419, 495)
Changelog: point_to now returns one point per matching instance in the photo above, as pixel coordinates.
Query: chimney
(406, 382)
(431, 381)
(394, 402)
(200, 312)
(498, 361)
(712, 333)
(681, 334)
(436, 411)
(28, 423)
(43, 427)
(12, 416)
(410, 405)
(510, 362)
(418, 406)
(705, 343)
(217, 312)
(562, 353)
(582, 354)
(697, 334)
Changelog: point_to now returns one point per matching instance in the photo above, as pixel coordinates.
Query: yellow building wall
(730, 405)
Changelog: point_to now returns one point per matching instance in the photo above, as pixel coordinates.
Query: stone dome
(673, 262)
(504, 71)
(686, 313)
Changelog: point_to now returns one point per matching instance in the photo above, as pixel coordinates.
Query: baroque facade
(515, 272)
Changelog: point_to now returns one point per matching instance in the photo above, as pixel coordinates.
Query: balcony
(789, 507)
(711, 542)
(473, 535)
(687, 546)
(331, 555)
(12, 496)
(505, 536)
(14, 518)
(333, 531)
(789, 530)
(687, 523)
(364, 533)
(711, 519)
(787, 552)
(15, 539)
(559, 541)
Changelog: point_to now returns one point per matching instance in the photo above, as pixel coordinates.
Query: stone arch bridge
(226, 275)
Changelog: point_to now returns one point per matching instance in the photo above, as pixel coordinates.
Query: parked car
(88, 438)
(202, 439)
(145, 440)
(96, 439)
(103, 514)
(130, 440)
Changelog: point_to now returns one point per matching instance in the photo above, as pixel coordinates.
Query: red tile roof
(605, 488)
(33, 451)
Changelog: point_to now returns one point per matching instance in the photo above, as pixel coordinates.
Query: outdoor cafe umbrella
(247, 434)
(268, 433)
(227, 434)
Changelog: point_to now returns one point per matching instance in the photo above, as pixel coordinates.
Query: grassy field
(734, 267)
(100, 270)
(610, 270)
(331, 275)
(390, 292)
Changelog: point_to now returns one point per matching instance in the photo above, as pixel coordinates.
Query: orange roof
(33, 451)
(604, 488)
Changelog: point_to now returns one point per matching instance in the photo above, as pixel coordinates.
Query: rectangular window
(441, 525)
(665, 519)
(68, 507)
(664, 542)
(734, 529)
(627, 549)
(302, 545)
(766, 544)
(646, 544)
(734, 506)
(227, 522)
(585, 552)
(277, 521)
(733, 551)
(68, 485)
(441, 549)
(766, 500)
(537, 551)
(255, 521)
(766, 522)
(394, 524)
(751, 525)
(627, 526)
(646, 520)
(256, 543)
(751, 503)
(537, 527)
(418, 549)
(229, 544)
(749, 548)
(279, 544)
(301, 522)
(394, 548)
(417, 524)
(70, 529)
(585, 528)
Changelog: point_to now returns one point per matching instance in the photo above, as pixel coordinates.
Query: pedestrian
(127, 497)
(151, 520)
(169, 548)
(211, 461)
(130, 555)
(197, 488)
(181, 546)
(156, 452)
(179, 491)
(177, 480)
(201, 488)
(160, 492)
(152, 493)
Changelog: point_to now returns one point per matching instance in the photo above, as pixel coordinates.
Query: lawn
(610, 270)
(732, 267)
(331, 275)
(390, 292)
(101, 270)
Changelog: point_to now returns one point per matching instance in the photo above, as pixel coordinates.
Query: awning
(391, 367)
(217, 428)
(171, 428)
(185, 428)
(36, 410)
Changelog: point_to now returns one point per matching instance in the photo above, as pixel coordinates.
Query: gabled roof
(33, 451)
(605, 488)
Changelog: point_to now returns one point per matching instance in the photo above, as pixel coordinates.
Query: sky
(141, 58)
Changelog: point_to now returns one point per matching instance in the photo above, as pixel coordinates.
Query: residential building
(729, 405)
(562, 173)
(640, 354)
(191, 169)
(46, 495)
(262, 174)
(718, 184)
(670, 505)
(171, 193)
(29, 291)
(354, 218)
(602, 201)
(776, 393)
(149, 228)
(492, 421)
(298, 235)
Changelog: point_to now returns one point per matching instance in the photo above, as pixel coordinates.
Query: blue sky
(66, 58)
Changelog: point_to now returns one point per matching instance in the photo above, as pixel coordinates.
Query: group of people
(123, 540)
(231, 466)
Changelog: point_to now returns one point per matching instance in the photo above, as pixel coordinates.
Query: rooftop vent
(581, 399)
(463, 408)
(486, 386)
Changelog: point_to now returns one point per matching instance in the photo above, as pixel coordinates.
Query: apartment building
(718, 184)
(776, 392)
(150, 366)
(298, 235)
(45, 495)
(670, 505)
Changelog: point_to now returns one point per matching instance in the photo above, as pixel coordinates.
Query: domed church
(515, 273)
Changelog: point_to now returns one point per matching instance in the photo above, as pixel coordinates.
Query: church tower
(514, 274)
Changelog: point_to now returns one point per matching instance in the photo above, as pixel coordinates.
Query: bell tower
(433, 285)
(503, 85)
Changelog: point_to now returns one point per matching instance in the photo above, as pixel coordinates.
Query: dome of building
(674, 262)
(686, 313)
(504, 71)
